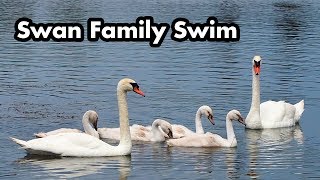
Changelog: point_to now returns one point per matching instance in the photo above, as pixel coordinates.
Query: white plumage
(84, 145)
(270, 114)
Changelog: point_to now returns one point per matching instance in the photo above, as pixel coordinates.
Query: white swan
(160, 131)
(181, 131)
(270, 114)
(89, 122)
(209, 139)
(84, 145)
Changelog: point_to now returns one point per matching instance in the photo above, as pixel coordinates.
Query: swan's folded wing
(140, 128)
(277, 114)
(180, 131)
(67, 144)
(197, 140)
(272, 112)
(109, 133)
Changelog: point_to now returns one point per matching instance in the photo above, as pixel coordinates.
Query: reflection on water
(271, 149)
(275, 137)
(209, 161)
(289, 19)
(65, 167)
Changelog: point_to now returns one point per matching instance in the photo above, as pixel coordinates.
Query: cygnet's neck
(199, 128)
(231, 137)
(88, 129)
(157, 135)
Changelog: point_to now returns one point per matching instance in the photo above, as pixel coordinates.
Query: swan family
(74, 142)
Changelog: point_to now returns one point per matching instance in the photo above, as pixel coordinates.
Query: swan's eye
(134, 85)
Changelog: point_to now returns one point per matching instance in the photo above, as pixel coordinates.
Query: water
(49, 85)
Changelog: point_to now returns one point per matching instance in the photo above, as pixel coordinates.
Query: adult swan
(270, 114)
(81, 144)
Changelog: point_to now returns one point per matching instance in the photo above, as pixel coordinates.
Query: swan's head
(235, 115)
(93, 118)
(256, 62)
(207, 111)
(127, 84)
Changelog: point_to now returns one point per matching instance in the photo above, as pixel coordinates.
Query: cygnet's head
(236, 115)
(167, 129)
(256, 62)
(207, 111)
(93, 118)
(164, 126)
(128, 84)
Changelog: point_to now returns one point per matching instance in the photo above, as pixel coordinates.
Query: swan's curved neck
(253, 117)
(199, 128)
(125, 138)
(231, 137)
(88, 129)
(156, 133)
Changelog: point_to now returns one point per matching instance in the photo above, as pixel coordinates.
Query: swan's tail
(20, 142)
(299, 110)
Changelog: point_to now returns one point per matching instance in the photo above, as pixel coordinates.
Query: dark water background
(49, 85)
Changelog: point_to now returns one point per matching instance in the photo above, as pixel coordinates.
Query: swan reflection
(279, 148)
(209, 160)
(278, 136)
(69, 167)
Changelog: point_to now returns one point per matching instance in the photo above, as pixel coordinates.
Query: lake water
(49, 85)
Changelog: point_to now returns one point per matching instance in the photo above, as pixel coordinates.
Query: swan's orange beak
(256, 69)
(138, 91)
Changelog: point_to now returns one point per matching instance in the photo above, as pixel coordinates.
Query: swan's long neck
(253, 117)
(199, 128)
(157, 135)
(125, 137)
(255, 103)
(231, 137)
(88, 127)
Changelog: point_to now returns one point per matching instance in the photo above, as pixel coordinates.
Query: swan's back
(198, 140)
(109, 133)
(137, 133)
(57, 131)
(180, 131)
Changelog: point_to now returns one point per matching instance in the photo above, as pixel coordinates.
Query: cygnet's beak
(95, 125)
(241, 120)
(210, 118)
(170, 134)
